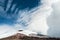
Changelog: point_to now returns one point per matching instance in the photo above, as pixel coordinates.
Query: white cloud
(38, 23)
(6, 30)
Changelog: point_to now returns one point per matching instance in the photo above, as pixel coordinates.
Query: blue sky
(45, 20)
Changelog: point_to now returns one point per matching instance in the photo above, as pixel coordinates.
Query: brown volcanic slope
(19, 36)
